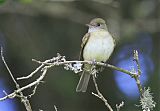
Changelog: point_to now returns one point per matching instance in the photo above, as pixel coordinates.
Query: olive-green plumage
(97, 45)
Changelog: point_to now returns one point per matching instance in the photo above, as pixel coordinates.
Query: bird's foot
(94, 62)
(94, 71)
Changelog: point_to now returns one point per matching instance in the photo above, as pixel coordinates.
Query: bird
(97, 45)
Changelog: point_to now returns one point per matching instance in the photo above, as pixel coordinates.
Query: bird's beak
(88, 25)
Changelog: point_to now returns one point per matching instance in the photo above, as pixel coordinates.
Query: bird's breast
(99, 47)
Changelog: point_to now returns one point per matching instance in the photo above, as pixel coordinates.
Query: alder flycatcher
(97, 45)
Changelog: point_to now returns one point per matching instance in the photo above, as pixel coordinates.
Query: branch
(137, 76)
(87, 62)
(55, 108)
(41, 66)
(119, 106)
(68, 65)
(23, 98)
(15, 82)
(99, 94)
(12, 95)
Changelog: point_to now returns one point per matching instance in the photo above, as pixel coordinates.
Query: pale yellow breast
(99, 46)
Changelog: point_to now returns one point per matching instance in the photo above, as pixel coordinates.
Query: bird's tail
(83, 82)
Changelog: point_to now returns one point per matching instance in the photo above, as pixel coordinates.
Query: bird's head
(97, 23)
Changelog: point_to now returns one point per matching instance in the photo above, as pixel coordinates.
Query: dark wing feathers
(84, 41)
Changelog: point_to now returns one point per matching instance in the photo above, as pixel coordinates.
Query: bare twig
(55, 108)
(24, 99)
(60, 60)
(32, 73)
(12, 95)
(37, 69)
(119, 106)
(99, 94)
(34, 90)
(88, 62)
(136, 58)
(15, 82)
(137, 76)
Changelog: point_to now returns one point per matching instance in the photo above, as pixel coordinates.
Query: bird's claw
(94, 62)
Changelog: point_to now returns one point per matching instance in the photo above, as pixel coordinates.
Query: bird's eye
(98, 24)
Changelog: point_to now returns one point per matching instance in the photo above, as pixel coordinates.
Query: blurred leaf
(26, 1)
(2, 1)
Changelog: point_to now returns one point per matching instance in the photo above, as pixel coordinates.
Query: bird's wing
(114, 40)
(84, 41)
